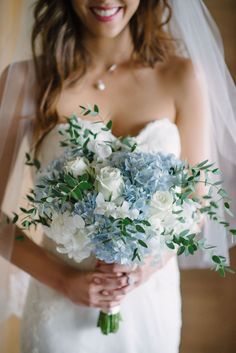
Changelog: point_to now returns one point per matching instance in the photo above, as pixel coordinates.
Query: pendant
(100, 85)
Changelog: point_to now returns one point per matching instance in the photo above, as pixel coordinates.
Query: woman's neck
(108, 51)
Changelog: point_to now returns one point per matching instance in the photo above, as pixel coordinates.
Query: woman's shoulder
(178, 69)
(181, 76)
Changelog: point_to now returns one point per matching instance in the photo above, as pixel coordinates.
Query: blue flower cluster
(85, 208)
(109, 246)
(145, 173)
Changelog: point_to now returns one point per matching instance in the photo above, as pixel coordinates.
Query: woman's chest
(130, 100)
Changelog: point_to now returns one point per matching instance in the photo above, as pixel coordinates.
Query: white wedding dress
(151, 313)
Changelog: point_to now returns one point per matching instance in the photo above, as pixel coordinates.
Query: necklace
(100, 84)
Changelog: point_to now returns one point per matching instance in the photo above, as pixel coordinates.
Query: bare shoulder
(179, 71)
(184, 80)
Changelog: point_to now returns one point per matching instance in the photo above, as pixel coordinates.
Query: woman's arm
(85, 288)
(39, 263)
(191, 113)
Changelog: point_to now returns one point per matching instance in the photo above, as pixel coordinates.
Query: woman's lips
(106, 14)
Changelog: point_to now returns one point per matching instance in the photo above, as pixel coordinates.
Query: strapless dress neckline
(156, 135)
(148, 125)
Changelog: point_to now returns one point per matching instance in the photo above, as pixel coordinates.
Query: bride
(119, 55)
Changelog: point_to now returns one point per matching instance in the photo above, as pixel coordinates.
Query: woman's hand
(137, 275)
(94, 289)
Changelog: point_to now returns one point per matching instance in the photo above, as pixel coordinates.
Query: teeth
(106, 13)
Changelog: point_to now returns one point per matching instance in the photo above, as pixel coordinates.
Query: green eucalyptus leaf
(183, 233)
(184, 241)
(28, 157)
(76, 193)
(142, 243)
(85, 185)
(227, 205)
(15, 218)
(70, 181)
(127, 221)
(181, 250)
(37, 164)
(217, 183)
(146, 223)
(221, 271)
(216, 259)
(191, 249)
(199, 165)
(140, 228)
(170, 245)
(222, 193)
(135, 254)
(109, 124)
(64, 188)
(95, 108)
(87, 112)
(214, 204)
(23, 210)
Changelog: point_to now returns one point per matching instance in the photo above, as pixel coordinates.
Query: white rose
(101, 149)
(78, 166)
(110, 183)
(161, 201)
(155, 222)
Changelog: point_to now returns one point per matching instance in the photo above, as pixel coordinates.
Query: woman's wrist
(39, 263)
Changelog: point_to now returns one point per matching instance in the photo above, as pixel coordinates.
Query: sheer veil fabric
(199, 40)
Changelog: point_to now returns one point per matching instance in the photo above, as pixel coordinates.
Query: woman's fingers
(115, 268)
(136, 280)
(109, 282)
(102, 275)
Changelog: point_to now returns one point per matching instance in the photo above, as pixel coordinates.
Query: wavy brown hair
(63, 59)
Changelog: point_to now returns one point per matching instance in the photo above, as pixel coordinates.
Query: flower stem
(109, 323)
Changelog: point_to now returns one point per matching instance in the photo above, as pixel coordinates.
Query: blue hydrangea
(85, 208)
(109, 246)
(145, 173)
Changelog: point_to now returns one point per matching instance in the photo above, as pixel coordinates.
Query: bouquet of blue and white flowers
(105, 197)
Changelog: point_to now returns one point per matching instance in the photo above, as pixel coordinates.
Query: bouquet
(105, 197)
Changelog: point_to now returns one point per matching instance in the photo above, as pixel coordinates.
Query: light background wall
(9, 24)
(209, 306)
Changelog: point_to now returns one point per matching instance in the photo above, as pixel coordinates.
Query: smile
(104, 14)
